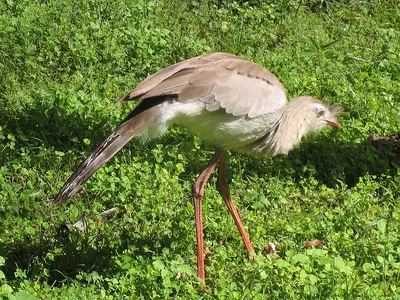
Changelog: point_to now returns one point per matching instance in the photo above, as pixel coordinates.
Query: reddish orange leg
(197, 196)
(223, 189)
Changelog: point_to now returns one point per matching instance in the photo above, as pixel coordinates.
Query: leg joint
(197, 190)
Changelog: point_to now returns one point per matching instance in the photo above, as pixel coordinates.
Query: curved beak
(334, 123)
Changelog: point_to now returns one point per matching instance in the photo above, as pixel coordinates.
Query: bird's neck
(289, 130)
(288, 135)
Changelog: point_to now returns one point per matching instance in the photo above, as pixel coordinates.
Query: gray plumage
(228, 101)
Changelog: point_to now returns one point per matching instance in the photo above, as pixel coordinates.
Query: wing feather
(195, 92)
(219, 80)
(190, 64)
(213, 106)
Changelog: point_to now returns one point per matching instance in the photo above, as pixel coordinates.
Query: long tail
(140, 118)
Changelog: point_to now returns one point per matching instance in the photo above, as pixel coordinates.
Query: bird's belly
(222, 129)
(219, 128)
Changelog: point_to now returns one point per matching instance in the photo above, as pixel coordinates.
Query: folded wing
(221, 81)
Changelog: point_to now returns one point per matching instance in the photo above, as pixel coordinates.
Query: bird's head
(313, 114)
(302, 115)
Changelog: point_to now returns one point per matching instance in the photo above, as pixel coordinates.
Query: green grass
(64, 63)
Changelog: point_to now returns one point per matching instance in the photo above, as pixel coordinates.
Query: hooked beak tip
(334, 123)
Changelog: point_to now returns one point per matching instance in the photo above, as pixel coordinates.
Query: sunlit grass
(63, 64)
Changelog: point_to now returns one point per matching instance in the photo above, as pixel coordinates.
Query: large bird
(228, 101)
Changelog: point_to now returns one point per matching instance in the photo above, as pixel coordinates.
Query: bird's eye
(320, 113)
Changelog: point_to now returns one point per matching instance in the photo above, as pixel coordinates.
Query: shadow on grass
(67, 253)
(331, 162)
(48, 125)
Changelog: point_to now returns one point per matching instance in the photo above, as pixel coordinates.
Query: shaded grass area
(63, 64)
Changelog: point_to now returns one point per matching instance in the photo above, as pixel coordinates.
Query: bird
(226, 100)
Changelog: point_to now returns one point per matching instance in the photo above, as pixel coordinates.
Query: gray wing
(220, 80)
(165, 74)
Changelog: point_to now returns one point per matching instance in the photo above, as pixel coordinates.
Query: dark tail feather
(137, 121)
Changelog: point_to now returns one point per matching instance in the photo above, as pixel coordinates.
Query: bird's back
(220, 80)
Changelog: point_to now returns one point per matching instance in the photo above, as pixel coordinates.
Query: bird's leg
(223, 189)
(197, 196)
